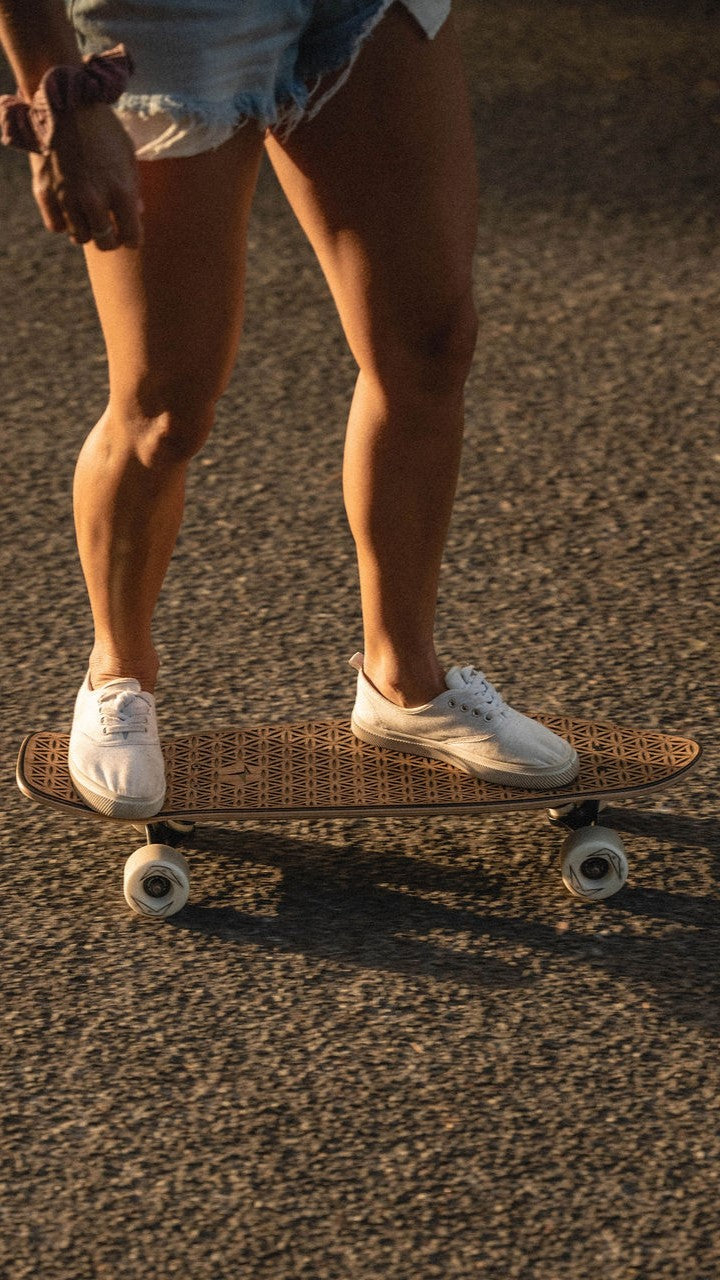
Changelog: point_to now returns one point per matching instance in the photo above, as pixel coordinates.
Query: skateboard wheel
(156, 880)
(594, 864)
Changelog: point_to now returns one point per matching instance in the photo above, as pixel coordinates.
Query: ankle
(105, 665)
(406, 682)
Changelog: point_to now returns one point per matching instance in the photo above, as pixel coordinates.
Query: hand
(87, 186)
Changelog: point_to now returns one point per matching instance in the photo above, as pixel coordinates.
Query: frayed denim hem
(163, 125)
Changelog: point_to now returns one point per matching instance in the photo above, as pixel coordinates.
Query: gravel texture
(396, 1049)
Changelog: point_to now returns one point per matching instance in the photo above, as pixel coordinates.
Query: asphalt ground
(396, 1049)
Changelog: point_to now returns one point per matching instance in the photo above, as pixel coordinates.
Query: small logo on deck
(240, 772)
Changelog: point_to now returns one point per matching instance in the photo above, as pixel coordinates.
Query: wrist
(32, 75)
(31, 125)
(37, 35)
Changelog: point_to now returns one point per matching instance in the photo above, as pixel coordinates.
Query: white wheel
(156, 880)
(594, 864)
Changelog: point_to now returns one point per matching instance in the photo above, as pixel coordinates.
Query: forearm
(36, 35)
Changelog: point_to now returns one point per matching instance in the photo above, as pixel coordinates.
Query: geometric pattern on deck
(321, 766)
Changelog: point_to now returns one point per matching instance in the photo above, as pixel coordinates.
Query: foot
(471, 727)
(114, 756)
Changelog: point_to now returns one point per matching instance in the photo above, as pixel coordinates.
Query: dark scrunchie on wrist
(31, 125)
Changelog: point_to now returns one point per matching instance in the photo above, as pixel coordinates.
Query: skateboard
(320, 769)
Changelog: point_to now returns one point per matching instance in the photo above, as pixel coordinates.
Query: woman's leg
(171, 314)
(383, 181)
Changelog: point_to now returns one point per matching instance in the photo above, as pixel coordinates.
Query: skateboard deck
(320, 769)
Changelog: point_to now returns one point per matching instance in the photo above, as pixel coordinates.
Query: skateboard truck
(574, 815)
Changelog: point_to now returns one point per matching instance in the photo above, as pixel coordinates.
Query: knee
(431, 352)
(168, 422)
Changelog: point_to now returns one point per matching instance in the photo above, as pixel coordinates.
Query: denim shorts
(203, 68)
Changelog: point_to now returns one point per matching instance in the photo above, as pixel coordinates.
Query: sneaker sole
(115, 806)
(506, 775)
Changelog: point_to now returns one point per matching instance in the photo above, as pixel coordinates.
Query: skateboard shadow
(379, 909)
(692, 833)
(355, 905)
(685, 834)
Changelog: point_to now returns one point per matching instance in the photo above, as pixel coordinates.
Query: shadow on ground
(378, 909)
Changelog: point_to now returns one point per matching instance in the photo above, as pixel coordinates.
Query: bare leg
(383, 181)
(171, 314)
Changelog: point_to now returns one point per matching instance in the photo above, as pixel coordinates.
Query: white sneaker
(470, 727)
(114, 756)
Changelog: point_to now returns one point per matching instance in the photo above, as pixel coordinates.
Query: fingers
(108, 224)
(45, 198)
(105, 237)
(83, 215)
(127, 208)
(97, 222)
(77, 223)
(51, 213)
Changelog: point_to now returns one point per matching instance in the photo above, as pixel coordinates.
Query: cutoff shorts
(203, 68)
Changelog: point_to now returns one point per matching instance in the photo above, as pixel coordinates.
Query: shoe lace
(124, 713)
(479, 696)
